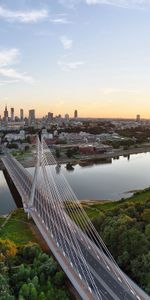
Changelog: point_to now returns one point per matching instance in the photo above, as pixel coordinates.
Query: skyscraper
(75, 113)
(138, 118)
(21, 114)
(31, 116)
(12, 114)
(49, 116)
(6, 114)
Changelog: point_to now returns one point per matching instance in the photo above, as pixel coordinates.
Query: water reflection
(7, 203)
(111, 180)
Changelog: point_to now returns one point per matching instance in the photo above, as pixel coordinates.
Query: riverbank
(94, 208)
(30, 160)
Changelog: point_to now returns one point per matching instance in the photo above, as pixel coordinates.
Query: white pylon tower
(36, 172)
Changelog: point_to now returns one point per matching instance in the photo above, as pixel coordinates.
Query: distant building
(16, 124)
(66, 116)
(138, 118)
(31, 119)
(75, 114)
(21, 114)
(12, 114)
(49, 117)
(6, 114)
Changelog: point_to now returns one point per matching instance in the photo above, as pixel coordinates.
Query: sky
(61, 55)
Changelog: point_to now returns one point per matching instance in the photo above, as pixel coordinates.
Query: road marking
(119, 279)
(109, 270)
(80, 276)
(90, 289)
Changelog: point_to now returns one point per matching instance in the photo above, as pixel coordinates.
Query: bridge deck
(104, 274)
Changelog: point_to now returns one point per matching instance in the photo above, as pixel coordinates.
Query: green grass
(2, 219)
(17, 229)
(95, 209)
(22, 154)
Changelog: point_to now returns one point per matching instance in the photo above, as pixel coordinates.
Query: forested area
(126, 232)
(27, 273)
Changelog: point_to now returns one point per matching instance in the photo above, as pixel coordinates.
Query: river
(98, 181)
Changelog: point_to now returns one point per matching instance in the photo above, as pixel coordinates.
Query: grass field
(93, 210)
(17, 229)
(2, 219)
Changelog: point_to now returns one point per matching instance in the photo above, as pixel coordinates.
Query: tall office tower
(6, 114)
(21, 114)
(75, 114)
(50, 116)
(31, 118)
(138, 118)
(12, 114)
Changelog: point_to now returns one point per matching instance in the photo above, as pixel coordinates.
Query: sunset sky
(62, 55)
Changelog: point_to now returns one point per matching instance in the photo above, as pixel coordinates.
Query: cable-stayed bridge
(48, 198)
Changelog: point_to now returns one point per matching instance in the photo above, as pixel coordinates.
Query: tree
(57, 153)
(35, 282)
(32, 292)
(147, 231)
(7, 248)
(69, 153)
(59, 279)
(49, 267)
(42, 296)
(146, 215)
(24, 291)
(26, 148)
(31, 251)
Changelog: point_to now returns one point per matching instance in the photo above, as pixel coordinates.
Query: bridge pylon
(36, 172)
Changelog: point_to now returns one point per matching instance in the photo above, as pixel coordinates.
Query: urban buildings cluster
(10, 121)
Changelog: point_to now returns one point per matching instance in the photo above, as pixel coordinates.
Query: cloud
(5, 82)
(12, 73)
(9, 57)
(131, 4)
(121, 3)
(32, 16)
(68, 66)
(66, 42)
(59, 19)
(69, 3)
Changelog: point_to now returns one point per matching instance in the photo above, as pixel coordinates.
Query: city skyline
(10, 112)
(93, 55)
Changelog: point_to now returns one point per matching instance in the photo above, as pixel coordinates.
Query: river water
(113, 180)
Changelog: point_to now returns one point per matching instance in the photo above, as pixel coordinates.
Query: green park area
(94, 208)
(123, 225)
(26, 271)
(17, 228)
(125, 228)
